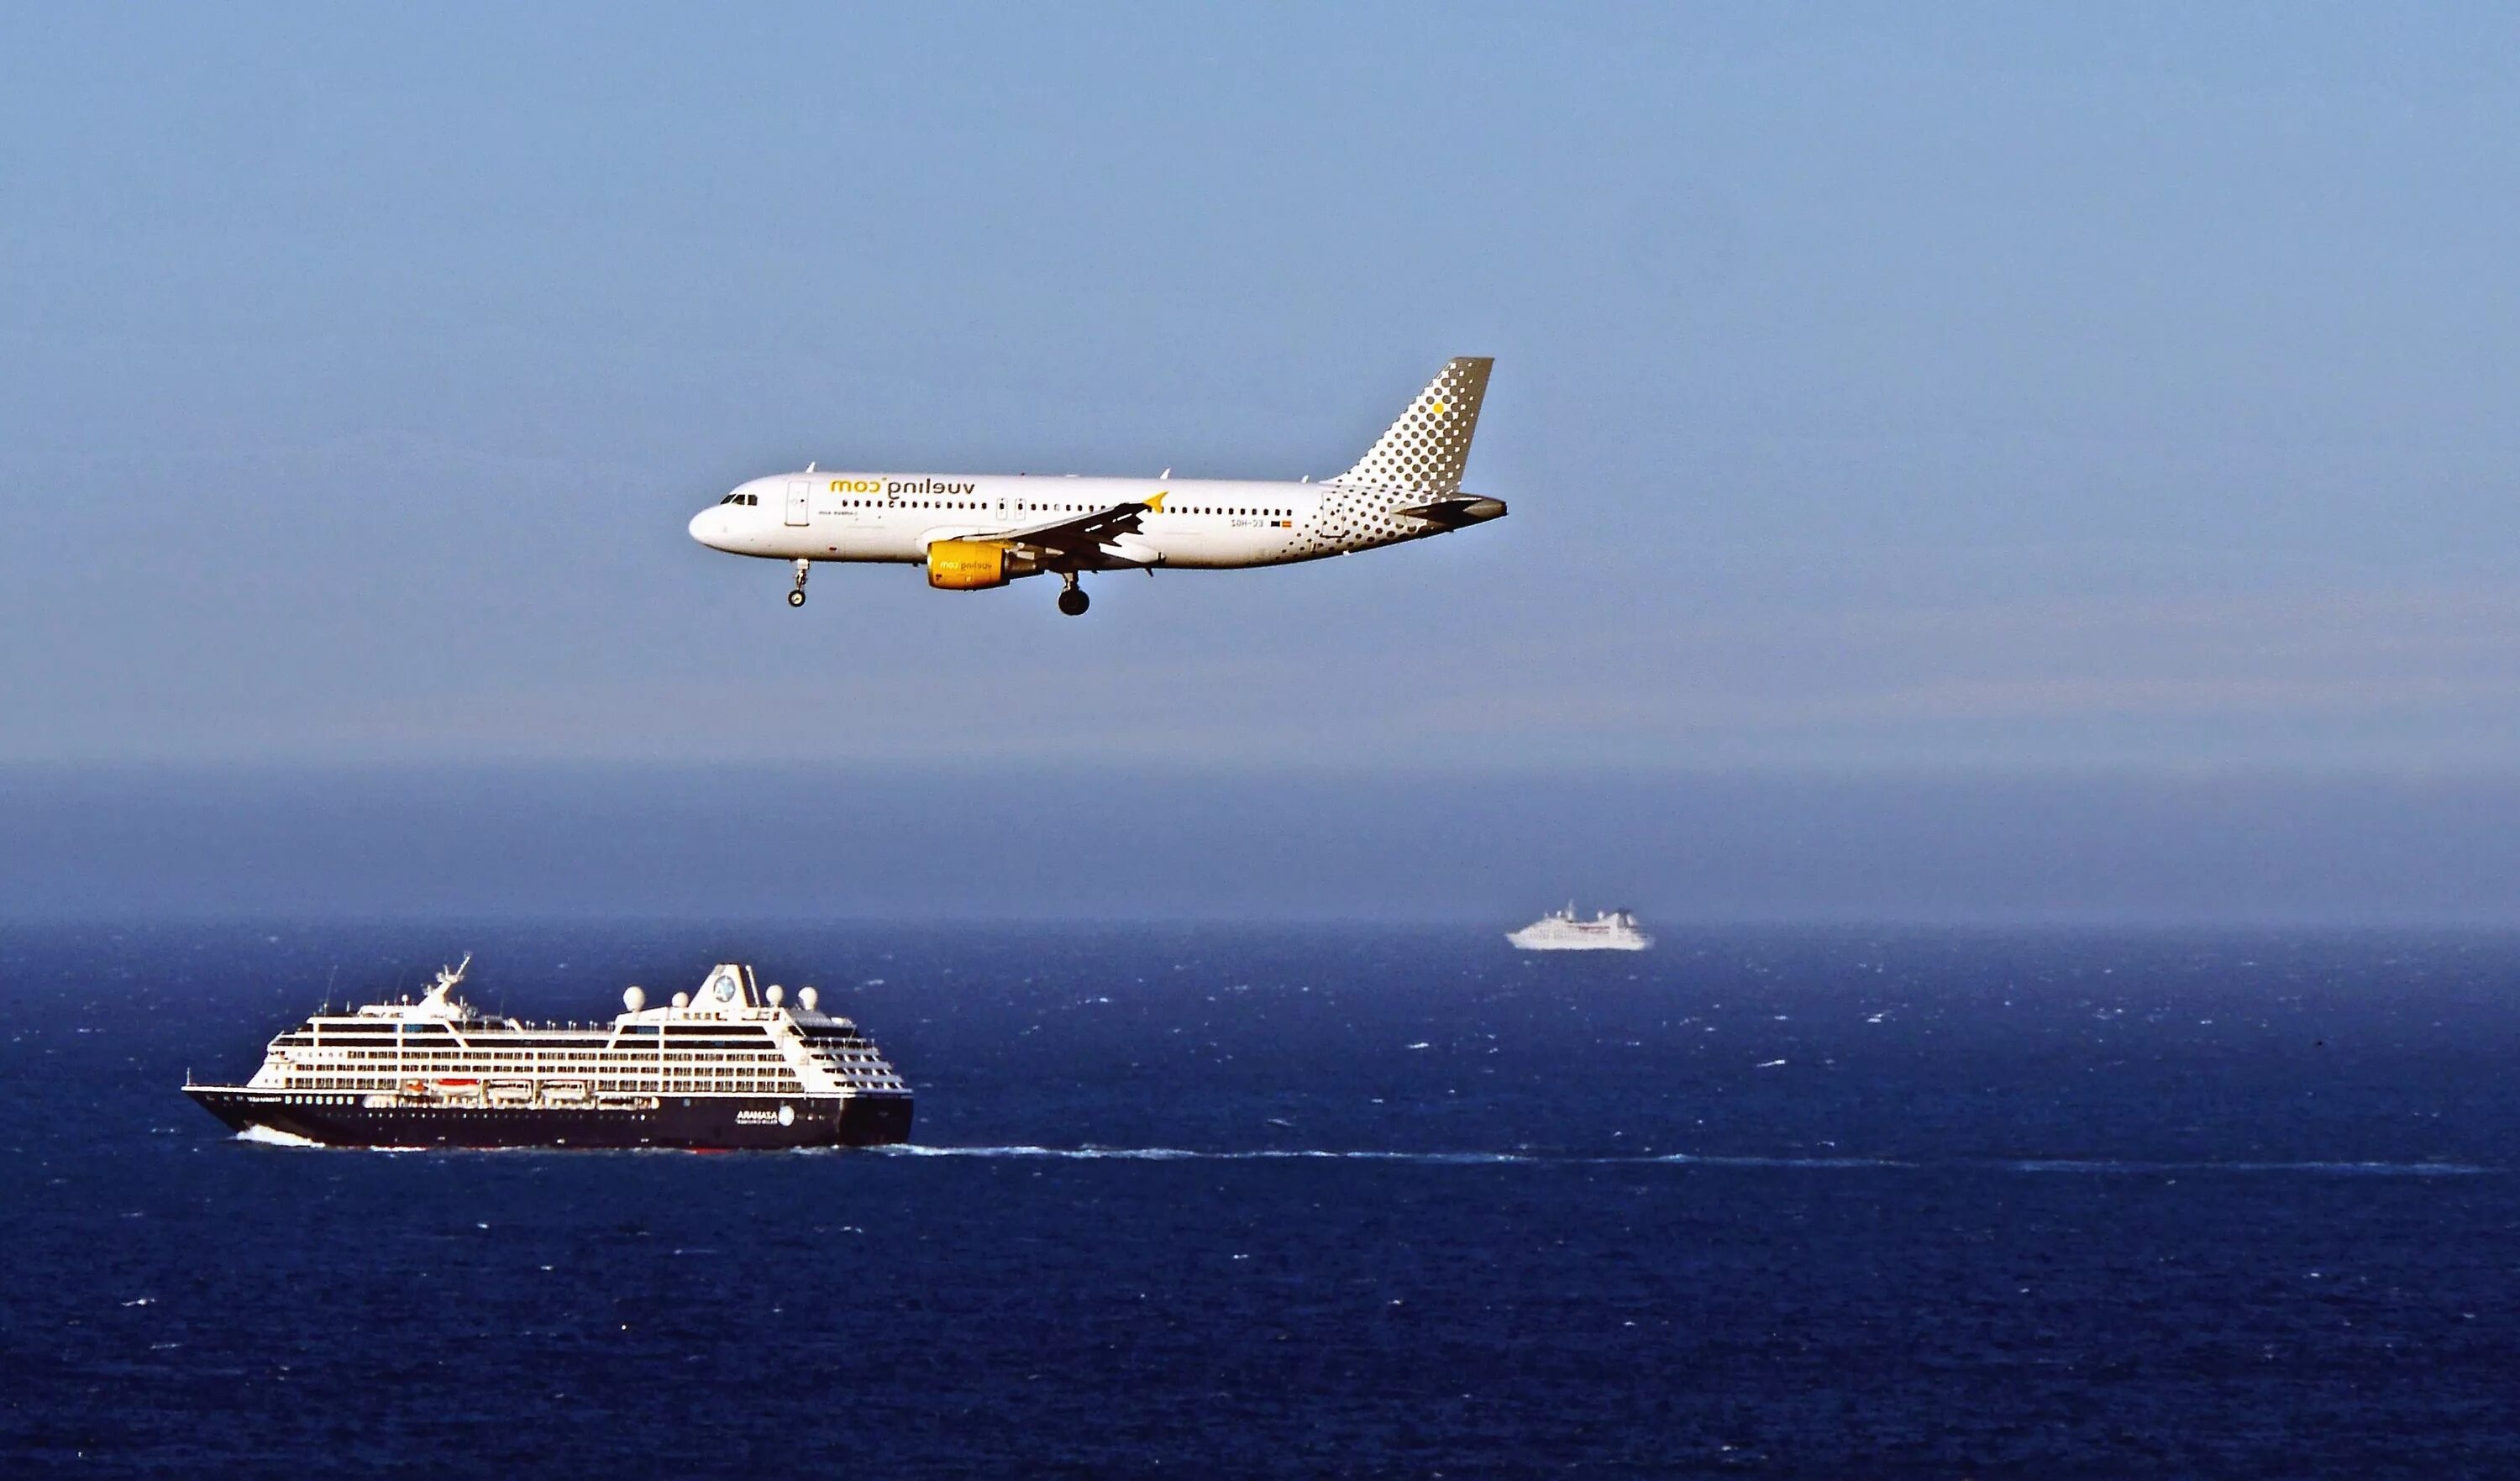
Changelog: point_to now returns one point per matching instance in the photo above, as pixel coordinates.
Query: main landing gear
(797, 598)
(1071, 596)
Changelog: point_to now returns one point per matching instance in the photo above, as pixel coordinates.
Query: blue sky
(1962, 387)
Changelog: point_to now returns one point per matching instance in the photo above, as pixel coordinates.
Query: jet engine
(971, 565)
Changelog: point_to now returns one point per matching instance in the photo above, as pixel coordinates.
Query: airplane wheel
(795, 599)
(1074, 602)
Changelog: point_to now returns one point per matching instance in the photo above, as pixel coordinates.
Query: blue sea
(1311, 1202)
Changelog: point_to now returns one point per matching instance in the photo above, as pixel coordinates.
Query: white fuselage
(975, 531)
(1193, 522)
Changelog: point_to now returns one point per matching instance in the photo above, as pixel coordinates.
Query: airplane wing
(1076, 542)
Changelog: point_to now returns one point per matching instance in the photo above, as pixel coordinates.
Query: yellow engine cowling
(969, 565)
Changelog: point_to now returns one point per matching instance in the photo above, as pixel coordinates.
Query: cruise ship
(1613, 930)
(732, 1065)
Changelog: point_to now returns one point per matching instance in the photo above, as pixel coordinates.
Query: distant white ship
(1613, 930)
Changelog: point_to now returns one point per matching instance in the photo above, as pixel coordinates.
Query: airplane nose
(705, 524)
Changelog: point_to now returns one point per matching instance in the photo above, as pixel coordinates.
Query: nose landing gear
(796, 597)
(1071, 598)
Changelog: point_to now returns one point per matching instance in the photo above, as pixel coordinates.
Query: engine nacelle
(971, 565)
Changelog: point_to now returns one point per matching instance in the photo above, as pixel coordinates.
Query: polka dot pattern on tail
(1423, 452)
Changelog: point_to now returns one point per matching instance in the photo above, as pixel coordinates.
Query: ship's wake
(1189, 1155)
(1438, 1159)
(2347, 1169)
(1686, 1160)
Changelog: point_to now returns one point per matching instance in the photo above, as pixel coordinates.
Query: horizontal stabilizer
(1455, 512)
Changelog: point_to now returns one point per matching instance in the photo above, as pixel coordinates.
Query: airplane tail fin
(1424, 451)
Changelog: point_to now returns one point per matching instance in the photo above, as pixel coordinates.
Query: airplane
(978, 530)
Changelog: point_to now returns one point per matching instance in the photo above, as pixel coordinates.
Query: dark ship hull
(697, 1123)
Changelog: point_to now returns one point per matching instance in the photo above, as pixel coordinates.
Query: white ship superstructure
(733, 1064)
(1613, 930)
